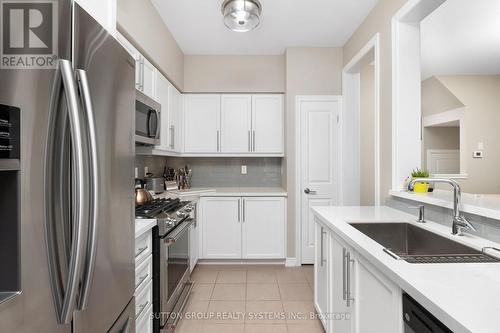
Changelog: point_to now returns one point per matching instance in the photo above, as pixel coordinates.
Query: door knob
(307, 190)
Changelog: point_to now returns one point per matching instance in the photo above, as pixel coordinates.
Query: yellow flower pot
(421, 188)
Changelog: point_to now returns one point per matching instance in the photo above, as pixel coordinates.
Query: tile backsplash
(486, 228)
(220, 171)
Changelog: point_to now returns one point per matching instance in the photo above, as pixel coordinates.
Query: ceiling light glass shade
(241, 15)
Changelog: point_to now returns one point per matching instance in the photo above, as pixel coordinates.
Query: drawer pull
(141, 280)
(141, 250)
(142, 307)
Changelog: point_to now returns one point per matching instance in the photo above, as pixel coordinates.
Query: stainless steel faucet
(459, 222)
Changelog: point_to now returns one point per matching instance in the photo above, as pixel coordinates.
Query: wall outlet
(243, 169)
(478, 154)
(136, 172)
(146, 171)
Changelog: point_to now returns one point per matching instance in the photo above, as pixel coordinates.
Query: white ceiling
(198, 28)
(462, 37)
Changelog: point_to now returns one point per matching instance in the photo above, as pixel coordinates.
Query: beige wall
(309, 71)
(437, 98)
(366, 135)
(139, 21)
(480, 96)
(379, 20)
(226, 73)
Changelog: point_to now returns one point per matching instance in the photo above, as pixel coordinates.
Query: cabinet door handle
(239, 207)
(244, 213)
(249, 141)
(322, 259)
(348, 278)
(344, 289)
(253, 138)
(218, 140)
(172, 137)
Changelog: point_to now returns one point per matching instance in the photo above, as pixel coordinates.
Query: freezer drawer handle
(141, 250)
(91, 251)
(56, 217)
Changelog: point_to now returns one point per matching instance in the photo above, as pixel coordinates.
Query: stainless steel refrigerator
(76, 206)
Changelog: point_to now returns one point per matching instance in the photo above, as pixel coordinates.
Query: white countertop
(465, 297)
(230, 192)
(143, 225)
(487, 205)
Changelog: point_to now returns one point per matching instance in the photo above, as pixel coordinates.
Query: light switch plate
(243, 169)
(478, 154)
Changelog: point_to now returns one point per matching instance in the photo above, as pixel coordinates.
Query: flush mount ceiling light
(241, 15)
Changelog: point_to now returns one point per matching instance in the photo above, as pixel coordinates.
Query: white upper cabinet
(175, 121)
(243, 124)
(163, 97)
(148, 81)
(236, 123)
(267, 124)
(103, 11)
(145, 73)
(201, 123)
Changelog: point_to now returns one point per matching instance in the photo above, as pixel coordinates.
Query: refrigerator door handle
(65, 298)
(91, 250)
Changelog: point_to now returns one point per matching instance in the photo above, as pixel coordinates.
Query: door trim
(351, 92)
(298, 172)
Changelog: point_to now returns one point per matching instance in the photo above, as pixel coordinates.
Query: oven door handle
(177, 233)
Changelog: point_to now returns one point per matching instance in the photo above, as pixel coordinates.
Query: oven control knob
(188, 209)
(181, 214)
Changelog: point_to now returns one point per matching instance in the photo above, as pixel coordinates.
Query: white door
(148, 78)
(268, 124)
(319, 163)
(201, 123)
(162, 97)
(322, 279)
(235, 123)
(263, 227)
(221, 227)
(175, 121)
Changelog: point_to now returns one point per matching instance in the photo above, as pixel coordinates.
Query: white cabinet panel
(322, 275)
(338, 288)
(163, 97)
(201, 123)
(221, 227)
(175, 128)
(377, 300)
(193, 245)
(263, 227)
(268, 124)
(104, 12)
(236, 123)
(148, 78)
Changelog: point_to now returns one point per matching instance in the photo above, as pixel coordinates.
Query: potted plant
(420, 187)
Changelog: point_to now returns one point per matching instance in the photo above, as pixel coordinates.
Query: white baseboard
(291, 262)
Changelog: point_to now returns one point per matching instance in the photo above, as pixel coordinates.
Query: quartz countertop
(229, 192)
(464, 296)
(143, 225)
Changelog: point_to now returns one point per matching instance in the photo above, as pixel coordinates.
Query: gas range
(168, 213)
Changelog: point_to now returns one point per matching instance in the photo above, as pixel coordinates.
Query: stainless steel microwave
(147, 120)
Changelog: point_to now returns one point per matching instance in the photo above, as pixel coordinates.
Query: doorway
(318, 140)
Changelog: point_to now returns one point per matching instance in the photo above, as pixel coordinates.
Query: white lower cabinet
(143, 283)
(221, 227)
(243, 227)
(350, 294)
(263, 228)
(323, 274)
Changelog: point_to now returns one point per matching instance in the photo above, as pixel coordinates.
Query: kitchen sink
(419, 246)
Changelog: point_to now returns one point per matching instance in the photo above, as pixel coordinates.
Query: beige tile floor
(251, 299)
